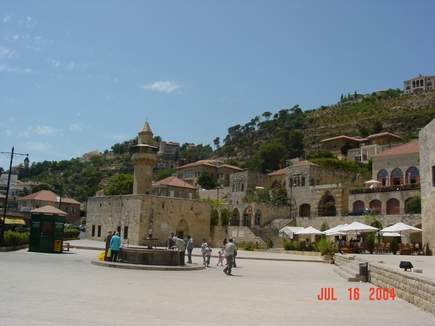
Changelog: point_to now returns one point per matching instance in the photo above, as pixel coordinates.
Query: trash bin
(364, 272)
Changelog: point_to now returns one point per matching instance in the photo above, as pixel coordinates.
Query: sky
(81, 75)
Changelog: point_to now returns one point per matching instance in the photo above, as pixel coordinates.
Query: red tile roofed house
(190, 172)
(174, 187)
(339, 145)
(45, 197)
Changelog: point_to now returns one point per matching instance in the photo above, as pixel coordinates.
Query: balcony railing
(415, 186)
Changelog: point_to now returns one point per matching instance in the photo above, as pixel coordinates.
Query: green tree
(163, 173)
(272, 156)
(225, 216)
(119, 184)
(207, 181)
(217, 142)
(324, 226)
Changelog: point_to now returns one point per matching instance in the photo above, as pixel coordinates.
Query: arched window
(393, 207)
(305, 210)
(396, 177)
(383, 177)
(247, 214)
(412, 175)
(375, 206)
(358, 207)
(413, 205)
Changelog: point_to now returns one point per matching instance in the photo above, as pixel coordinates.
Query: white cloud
(161, 86)
(75, 127)
(6, 19)
(17, 70)
(6, 53)
(42, 130)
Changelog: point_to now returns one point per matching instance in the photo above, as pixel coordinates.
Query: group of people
(227, 252)
(113, 246)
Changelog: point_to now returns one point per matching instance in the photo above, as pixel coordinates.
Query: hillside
(264, 143)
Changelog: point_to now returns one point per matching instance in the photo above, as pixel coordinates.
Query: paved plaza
(66, 289)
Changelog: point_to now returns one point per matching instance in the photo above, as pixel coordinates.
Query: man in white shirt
(230, 248)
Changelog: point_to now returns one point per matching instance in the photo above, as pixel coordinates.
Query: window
(433, 176)
(396, 177)
(93, 230)
(412, 175)
(242, 187)
(383, 177)
(99, 231)
(125, 232)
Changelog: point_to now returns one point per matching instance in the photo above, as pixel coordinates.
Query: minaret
(144, 158)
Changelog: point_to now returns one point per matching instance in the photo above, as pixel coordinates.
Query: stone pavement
(66, 289)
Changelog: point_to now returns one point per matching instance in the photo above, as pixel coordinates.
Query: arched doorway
(327, 205)
(258, 217)
(375, 206)
(412, 176)
(393, 207)
(383, 177)
(396, 177)
(305, 210)
(182, 228)
(358, 207)
(235, 218)
(247, 216)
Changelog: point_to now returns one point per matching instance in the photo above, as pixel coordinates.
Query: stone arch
(412, 175)
(247, 216)
(305, 210)
(327, 205)
(182, 228)
(413, 205)
(258, 217)
(393, 206)
(382, 177)
(396, 178)
(375, 206)
(235, 218)
(358, 207)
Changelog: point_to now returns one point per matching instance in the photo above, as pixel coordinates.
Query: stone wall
(427, 162)
(141, 213)
(408, 286)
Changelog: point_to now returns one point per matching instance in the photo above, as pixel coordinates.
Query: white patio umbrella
(309, 231)
(289, 231)
(401, 227)
(372, 182)
(358, 227)
(391, 234)
(336, 230)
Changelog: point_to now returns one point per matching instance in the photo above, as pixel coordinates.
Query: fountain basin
(155, 256)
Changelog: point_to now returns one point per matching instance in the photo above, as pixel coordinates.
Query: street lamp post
(2, 226)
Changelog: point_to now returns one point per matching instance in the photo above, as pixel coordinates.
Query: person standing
(204, 247)
(106, 250)
(220, 258)
(229, 254)
(115, 246)
(235, 255)
(189, 248)
(181, 247)
(208, 255)
(171, 242)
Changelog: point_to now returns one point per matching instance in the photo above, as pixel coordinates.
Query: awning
(391, 234)
(14, 221)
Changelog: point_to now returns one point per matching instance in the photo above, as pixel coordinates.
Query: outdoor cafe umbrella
(289, 231)
(336, 230)
(358, 227)
(309, 231)
(401, 227)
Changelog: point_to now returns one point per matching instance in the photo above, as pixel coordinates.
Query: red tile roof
(49, 210)
(174, 182)
(344, 137)
(278, 172)
(382, 134)
(409, 148)
(47, 195)
(210, 163)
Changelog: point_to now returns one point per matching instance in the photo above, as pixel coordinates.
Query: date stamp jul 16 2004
(353, 294)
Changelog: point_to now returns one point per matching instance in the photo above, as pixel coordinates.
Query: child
(208, 255)
(220, 258)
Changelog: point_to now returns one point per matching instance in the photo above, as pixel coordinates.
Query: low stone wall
(14, 248)
(410, 287)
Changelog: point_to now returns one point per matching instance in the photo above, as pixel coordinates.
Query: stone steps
(347, 276)
(347, 267)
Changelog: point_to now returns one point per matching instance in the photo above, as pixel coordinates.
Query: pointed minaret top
(146, 127)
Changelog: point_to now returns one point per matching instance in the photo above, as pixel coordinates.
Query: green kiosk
(46, 229)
